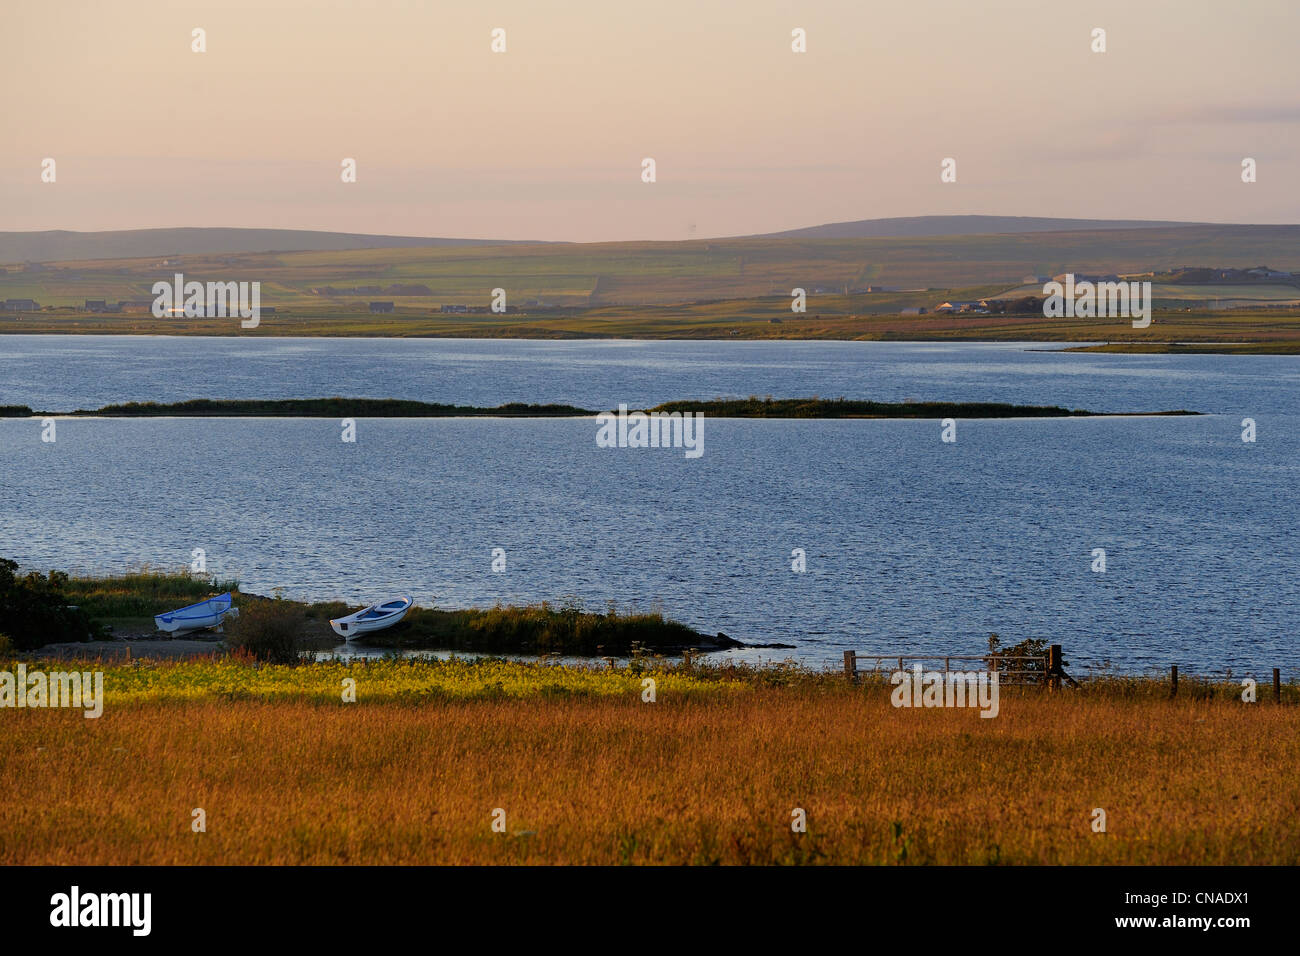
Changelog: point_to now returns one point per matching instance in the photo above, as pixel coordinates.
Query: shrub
(268, 630)
(35, 609)
(1031, 671)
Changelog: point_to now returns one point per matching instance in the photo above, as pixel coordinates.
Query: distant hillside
(585, 275)
(962, 226)
(64, 246)
(61, 245)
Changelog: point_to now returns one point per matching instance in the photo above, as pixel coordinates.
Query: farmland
(663, 273)
(855, 289)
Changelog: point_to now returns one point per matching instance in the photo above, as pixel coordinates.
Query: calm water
(62, 373)
(912, 545)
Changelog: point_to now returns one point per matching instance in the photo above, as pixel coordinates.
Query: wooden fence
(1018, 669)
(1012, 669)
(1220, 679)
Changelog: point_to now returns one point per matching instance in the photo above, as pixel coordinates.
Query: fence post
(1277, 685)
(1173, 681)
(1054, 667)
(851, 666)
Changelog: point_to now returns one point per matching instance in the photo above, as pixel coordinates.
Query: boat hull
(376, 617)
(197, 617)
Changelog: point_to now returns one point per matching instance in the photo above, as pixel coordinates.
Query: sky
(547, 139)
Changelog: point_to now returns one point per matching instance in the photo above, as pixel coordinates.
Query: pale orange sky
(546, 140)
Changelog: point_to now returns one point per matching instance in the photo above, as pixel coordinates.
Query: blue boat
(197, 617)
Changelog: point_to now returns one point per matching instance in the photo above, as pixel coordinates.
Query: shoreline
(878, 328)
(954, 337)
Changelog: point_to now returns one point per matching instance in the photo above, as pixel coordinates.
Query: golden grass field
(588, 773)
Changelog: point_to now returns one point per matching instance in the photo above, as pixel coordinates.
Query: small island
(751, 407)
(769, 407)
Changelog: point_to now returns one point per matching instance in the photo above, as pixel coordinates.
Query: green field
(1172, 294)
(1241, 330)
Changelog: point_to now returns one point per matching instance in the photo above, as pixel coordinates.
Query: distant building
(381, 307)
(454, 308)
(96, 305)
(914, 310)
(21, 305)
(957, 307)
(1085, 277)
(135, 305)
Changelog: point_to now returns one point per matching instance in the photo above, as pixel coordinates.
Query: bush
(1029, 647)
(35, 611)
(541, 628)
(267, 630)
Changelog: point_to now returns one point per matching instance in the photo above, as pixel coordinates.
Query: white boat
(197, 617)
(376, 617)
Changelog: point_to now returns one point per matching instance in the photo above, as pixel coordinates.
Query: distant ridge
(963, 226)
(61, 244)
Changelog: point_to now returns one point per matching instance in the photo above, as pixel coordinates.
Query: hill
(963, 226)
(587, 275)
(65, 246)
(61, 245)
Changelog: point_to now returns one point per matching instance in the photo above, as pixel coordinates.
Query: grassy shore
(282, 628)
(1195, 348)
(586, 772)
